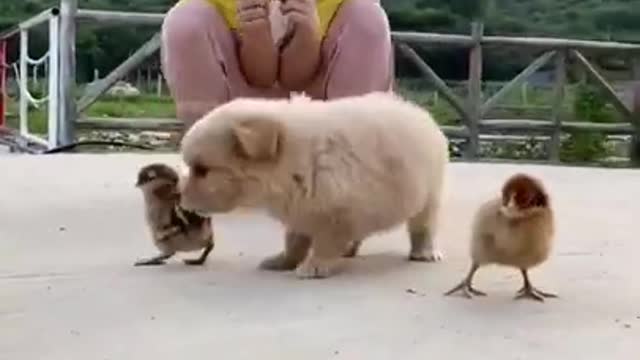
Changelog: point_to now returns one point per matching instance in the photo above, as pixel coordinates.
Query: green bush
(588, 106)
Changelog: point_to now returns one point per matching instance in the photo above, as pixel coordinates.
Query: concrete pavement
(71, 227)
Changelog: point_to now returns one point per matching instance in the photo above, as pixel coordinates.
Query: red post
(3, 81)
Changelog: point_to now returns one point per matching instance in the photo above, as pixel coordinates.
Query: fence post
(23, 82)
(53, 128)
(67, 75)
(635, 115)
(3, 82)
(558, 101)
(475, 90)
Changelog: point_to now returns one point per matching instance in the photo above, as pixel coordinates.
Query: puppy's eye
(199, 171)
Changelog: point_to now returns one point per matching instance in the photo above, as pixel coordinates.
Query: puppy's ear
(257, 138)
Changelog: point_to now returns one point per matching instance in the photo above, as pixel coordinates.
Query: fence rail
(472, 108)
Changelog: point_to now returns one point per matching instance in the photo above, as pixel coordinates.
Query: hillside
(590, 19)
(618, 19)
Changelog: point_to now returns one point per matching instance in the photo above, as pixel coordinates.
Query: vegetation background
(104, 48)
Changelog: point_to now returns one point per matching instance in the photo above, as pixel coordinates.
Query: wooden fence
(474, 108)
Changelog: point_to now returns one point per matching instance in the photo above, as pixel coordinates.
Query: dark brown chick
(516, 230)
(172, 228)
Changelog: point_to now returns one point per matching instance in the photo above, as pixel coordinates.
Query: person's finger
(296, 17)
(303, 6)
(244, 5)
(252, 15)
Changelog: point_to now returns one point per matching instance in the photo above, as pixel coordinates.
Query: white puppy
(333, 172)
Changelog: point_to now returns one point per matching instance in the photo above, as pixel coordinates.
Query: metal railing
(21, 71)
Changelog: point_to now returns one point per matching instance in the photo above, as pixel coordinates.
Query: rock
(124, 89)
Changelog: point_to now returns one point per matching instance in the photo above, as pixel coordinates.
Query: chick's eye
(200, 171)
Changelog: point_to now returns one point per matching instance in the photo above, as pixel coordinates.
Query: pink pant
(202, 68)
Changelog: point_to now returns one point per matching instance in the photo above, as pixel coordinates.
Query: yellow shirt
(326, 11)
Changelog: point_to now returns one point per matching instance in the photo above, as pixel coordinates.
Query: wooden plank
(635, 118)
(120, 17)
(558, 43)
(475, 89)
(149, 124)
(455, 131)
(432, 38)
(602, 83)
(558, 101)
(94, 92)
(545, 126)
(604, 128)
(434, 79)
(511, 41)
(517, 81)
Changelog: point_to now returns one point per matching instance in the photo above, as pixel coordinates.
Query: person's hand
(253, 15)
(300, 55)
(258, 54)
(302, 15)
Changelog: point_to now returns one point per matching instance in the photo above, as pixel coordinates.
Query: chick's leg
(203, 257)
(528, 291)
(465, 287)
(156, 260)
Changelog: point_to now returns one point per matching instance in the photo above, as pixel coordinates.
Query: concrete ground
(71, 227)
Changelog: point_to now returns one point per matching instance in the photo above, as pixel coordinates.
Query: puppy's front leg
(296, 249)
(326, 256)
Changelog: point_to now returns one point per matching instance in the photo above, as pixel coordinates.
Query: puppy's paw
(279, 262)
(352, 250)
(316, 269)
(427, 256)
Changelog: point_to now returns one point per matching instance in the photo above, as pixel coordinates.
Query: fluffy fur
(515, 229)
(173, 229)
(333, 172)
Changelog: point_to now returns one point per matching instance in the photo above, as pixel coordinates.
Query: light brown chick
(173, 229)
(516, 230)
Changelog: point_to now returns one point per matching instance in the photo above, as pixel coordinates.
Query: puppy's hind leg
(296, 250)
(422, 230)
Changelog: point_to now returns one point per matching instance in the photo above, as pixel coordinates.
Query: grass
(144, 106)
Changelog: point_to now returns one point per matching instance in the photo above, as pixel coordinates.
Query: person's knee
(363, 27)
(185, 24)
(190, 59)
(366, 19)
